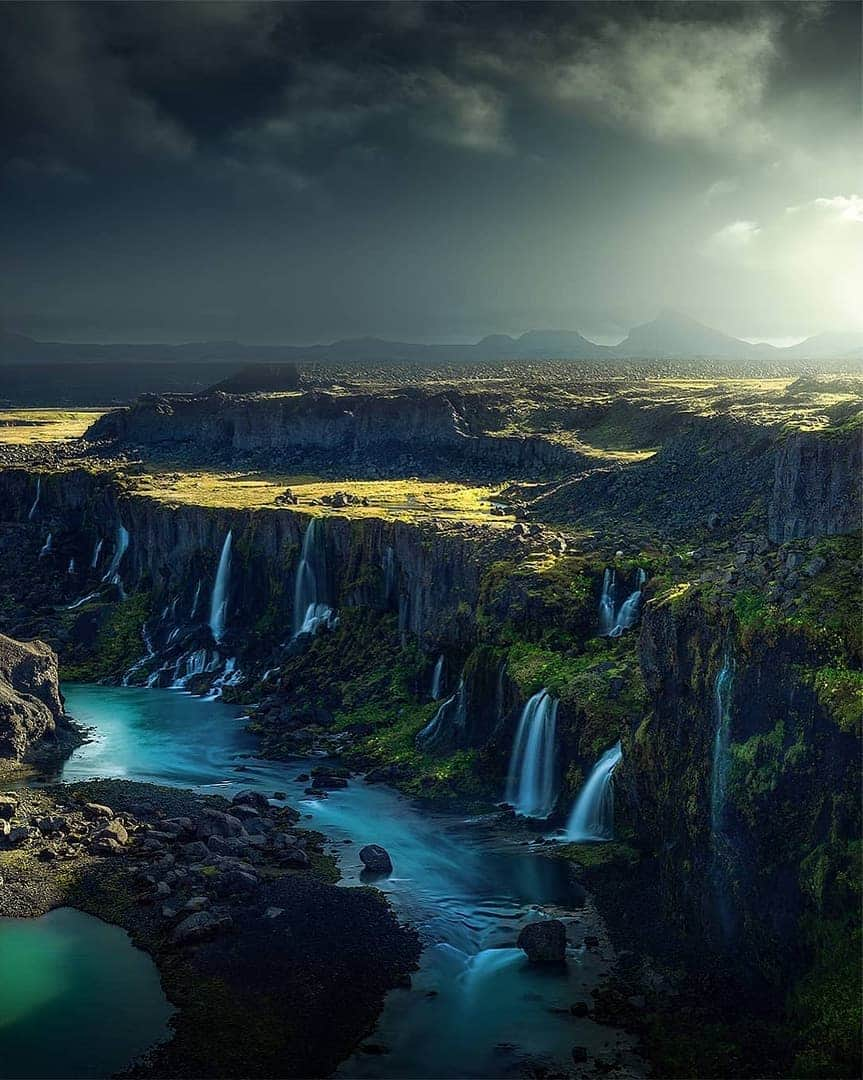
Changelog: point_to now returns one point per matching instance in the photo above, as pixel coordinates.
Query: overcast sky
(302, 172)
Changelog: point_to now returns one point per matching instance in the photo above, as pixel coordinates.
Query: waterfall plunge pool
(476, 1007)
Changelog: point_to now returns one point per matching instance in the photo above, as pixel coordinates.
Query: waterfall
(219, 601)
(613, 621)
(195, 600)
(193, 663)
(310, 609)
(36, 500)
(70, 569)
(606, 603)
(723, 855)
(83, 600)
(111, 574)
(97, 551)
(145, 659)
(437, 678)
(389, 568)
(499, 691)
(450, 718)
(46, 547)
(530, 783)
(722, 716)
(592, 816)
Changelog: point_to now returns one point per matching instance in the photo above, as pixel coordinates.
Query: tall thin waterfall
(111, 574)
(97, 551)
(530, 785)
(592, 816)
(47, 546)
(310, 609)
(606, 602)
(389, 568)
(36, 500)
(437, 678)
(722, 688)
(195, 600)
(219, 600)
(70, 569)
(613, 620)
(447, 722)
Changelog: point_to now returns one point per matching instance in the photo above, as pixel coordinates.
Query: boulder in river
(376, 859)
(544, 942)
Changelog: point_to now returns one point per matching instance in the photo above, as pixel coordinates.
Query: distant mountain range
(669, 336)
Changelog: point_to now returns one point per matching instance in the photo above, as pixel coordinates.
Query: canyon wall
(391, 432)
(816, 485)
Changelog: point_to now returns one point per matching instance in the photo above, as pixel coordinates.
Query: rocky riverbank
(274, 970)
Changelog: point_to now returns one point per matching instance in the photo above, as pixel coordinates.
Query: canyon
(619, 624)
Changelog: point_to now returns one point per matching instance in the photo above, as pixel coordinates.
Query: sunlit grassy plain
(19, 427)
(407, 500)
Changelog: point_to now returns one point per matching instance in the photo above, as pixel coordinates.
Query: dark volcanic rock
(30, 705)
(544, 942)
(376, 859)
(816, 486)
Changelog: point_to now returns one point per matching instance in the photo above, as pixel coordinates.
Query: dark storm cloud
(427, 161)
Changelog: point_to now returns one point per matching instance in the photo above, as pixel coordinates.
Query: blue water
(77, 999)
(476, 1008)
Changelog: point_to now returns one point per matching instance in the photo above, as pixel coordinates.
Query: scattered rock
(253, 799)
(544, 942)
(199, 926)
(214, 822)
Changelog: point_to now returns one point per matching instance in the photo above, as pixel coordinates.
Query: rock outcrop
(394, 433)
(30, 704)
(817, 485)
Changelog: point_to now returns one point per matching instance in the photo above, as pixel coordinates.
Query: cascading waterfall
(46, 547)
(70, 569)
(83, 600)
(592, 816)
(310, 609)
(614, 620)
(36, 500)
(437, 678)
(606, 603)
(199, 662)
(97, 551)
(451, 716)
(112, 573)
(145, 659)
(530, 785)
(219, 600)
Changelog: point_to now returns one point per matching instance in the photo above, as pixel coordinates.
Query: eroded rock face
(417, 426)
(30, 702)
(816, 487)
